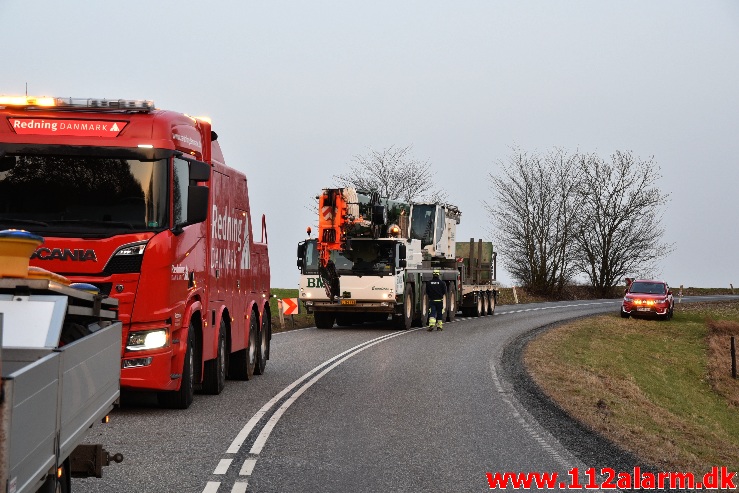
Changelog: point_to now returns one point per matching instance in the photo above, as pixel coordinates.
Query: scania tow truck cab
(139, 202)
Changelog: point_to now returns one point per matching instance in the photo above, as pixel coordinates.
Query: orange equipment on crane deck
(339, 220)
(335, 214)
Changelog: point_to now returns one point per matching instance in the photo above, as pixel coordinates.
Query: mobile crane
(372, 257)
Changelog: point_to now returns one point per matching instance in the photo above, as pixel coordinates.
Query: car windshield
(76, 195)
(647, 288)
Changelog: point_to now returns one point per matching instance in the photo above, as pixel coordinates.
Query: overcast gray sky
(296, 89)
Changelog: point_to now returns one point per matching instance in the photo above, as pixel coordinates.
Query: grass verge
(661, 390)
(291, 321)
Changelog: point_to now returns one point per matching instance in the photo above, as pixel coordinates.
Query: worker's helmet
(436, 273)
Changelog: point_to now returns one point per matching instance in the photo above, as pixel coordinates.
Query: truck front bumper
(312, 306)
(148, 371)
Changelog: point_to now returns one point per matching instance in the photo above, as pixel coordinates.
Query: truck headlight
(147, 339)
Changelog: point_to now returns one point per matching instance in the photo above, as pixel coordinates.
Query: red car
(648, 297)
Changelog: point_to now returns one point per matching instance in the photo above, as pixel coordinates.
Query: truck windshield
(372, 257)
(85, 196)
(422, 223)
(310, 263)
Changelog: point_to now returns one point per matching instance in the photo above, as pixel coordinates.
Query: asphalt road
(362, 409)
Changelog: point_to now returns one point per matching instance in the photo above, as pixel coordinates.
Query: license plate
(348, 302)
(644, 309)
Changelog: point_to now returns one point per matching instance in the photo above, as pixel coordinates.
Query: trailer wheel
(485, 303)
(478, 306)
(451, 302)
(491, 303)
(181, 399)
(263, 352)
(324, 320)
(214, 379)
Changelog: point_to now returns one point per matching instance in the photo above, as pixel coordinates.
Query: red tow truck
(139, 202)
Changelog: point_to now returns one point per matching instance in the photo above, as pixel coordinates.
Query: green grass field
(662, 390)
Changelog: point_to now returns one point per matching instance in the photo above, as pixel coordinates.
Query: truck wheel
(451, 304)
(214, 378)
(242, 363)
(263, 352)
(491, 303)
(405, 320)
(324, 320)
(423, 317)
(181, 399)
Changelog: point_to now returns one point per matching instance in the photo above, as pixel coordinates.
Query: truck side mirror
(199, 171)
(301, 254)
(402, 262)
(197, 204)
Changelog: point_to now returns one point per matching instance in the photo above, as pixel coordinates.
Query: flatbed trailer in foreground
(60, 362)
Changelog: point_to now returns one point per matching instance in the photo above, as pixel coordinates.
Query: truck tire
(405, 320)
(243, 362)
(214, 376)
(422, 318)
(451, 303)
(263, 347)
(181, 399)
(324, 320)
(485, 303)
(491, 303)
(479, 305)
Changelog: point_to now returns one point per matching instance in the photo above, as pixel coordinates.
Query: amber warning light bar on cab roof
(77, 103)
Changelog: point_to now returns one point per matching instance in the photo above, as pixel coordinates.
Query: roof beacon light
(26, 101)
(78, 103)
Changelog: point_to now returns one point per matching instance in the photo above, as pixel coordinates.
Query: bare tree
(535, 211)
(394, 174)
(620, 231)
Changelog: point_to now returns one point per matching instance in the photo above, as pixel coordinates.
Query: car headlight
(146, 339)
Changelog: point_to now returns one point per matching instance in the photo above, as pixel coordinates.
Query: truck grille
(124, 264)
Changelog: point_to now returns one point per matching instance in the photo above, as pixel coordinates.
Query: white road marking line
(241, 437)
(248, 467)
(211, 487)
(272, 422)
(223, 466)
(239, 487)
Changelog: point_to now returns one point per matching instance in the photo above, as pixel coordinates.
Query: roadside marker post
(279, 310)
(733, 359)
(289, 306)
